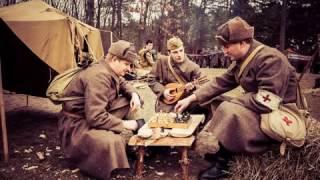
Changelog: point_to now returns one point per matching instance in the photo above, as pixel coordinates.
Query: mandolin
(178, 89)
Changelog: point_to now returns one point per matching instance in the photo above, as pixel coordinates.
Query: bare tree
(119, 17)
(9, 2)
(283, 25)
(144, 13)
(90, 12)
(113, 16)
(75, 12)
(98, 17)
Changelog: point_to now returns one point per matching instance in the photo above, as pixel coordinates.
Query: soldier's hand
(184, 103)
(189, 86)
(130, 124)
(135, 102)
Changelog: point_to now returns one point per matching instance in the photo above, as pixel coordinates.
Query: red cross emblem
(287, 120)
(266, 98)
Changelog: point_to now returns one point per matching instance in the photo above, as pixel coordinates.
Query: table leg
(3, 121)
(185, 163)
(139, 165)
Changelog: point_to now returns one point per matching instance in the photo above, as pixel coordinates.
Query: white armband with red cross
(268, 99)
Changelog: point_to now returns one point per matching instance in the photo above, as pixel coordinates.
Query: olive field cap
(234, 30)
(174, 43)
(123, 50)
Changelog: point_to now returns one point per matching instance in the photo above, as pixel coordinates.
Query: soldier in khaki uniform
(183, 67)
(90, 128)
(236, 123)
(146, 57)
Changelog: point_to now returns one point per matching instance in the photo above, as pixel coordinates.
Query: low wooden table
(184, 143)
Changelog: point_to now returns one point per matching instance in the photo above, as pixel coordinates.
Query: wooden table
(184, 143)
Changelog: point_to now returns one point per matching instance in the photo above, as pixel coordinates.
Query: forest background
(283, 24)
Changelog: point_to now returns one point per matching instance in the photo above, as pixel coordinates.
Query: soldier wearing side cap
(147, 56)
(183, 67)
(235, 124)
(90, 128)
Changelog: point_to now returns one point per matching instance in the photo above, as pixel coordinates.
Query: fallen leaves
(29, 168)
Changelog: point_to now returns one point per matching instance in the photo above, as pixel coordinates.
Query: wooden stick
(140, 162)
(184, 163)
(3, 122)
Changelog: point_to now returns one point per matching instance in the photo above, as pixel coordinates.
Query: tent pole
(27, 100)
(3, 121)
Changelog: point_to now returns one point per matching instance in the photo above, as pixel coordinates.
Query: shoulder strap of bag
(248, 59)
(301, 101)
(313, 57)
(174, 73)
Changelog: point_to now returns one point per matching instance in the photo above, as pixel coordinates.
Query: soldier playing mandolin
(176, 76)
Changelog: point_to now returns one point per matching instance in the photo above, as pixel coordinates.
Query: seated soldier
(90, 127)
(183, 71)
(235, 125)
(147, 55)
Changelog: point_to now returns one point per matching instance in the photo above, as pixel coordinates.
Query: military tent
(39, 42)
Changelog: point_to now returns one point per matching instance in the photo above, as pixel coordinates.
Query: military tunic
(236, 123)
(186, 70)
(146, 58)
(89, 128)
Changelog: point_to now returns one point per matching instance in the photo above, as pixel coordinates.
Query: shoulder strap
(301, 100)
(248, 59)
(313, 57)
(174, 73)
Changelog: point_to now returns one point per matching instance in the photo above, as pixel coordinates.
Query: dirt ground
(32, 130)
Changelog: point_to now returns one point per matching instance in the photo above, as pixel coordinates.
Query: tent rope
(88, 44)
(84, 37)
(50, 75)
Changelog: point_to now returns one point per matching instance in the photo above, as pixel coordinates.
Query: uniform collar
(110, 70)
(253, 45)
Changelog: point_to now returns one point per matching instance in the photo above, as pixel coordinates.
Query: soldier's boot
(219, 165)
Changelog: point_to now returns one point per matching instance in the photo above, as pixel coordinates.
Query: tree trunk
(98, 18)
(283, 25)
(185, 6)
(75, 9)
(119, 16)
(90, 12)
(201, 17)
(140, 26)
(113, 18)
(161, 39)
(9, 2)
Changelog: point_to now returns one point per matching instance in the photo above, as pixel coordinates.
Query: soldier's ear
(114, 58)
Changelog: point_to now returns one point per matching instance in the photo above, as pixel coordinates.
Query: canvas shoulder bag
(56, 90)
(287, 124)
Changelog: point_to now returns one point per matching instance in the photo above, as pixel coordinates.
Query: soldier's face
(177, 55)
(149, 46)
(233, 50)
(122, 67)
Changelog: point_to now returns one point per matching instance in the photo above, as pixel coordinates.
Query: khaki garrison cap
(174, 43)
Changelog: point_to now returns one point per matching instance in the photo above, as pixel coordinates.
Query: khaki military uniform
(146, 58)
(236, 123)
(89, 128)
(187, 70)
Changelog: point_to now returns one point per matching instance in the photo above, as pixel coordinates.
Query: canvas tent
(38, 42)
